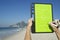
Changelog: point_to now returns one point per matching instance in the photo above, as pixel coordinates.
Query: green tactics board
(43, 15)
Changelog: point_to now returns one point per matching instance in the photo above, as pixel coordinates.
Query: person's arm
(28, 30)
(55, 29)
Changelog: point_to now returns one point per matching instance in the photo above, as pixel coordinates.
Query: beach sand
(37, 36)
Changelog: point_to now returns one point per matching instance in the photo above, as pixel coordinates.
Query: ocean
(7, 31)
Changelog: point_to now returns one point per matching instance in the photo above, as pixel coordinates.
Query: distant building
(21, 24)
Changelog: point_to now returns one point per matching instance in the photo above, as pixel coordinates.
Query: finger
(53, 24)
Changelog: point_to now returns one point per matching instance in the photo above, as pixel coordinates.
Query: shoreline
(17, 36)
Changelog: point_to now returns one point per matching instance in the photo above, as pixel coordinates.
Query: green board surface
(43, 15)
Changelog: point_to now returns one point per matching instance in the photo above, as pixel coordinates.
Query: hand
(54, 26)
(55, 23)
(29, 23)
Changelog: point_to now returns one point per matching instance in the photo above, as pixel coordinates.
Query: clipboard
(43, 14)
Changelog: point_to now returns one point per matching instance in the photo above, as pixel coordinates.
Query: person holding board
(28, 30)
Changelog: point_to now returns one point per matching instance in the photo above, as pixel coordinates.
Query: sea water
(7, 31)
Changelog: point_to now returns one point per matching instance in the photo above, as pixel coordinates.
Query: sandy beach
(40, 36)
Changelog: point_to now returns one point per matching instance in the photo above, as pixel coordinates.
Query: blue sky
(14, 11)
